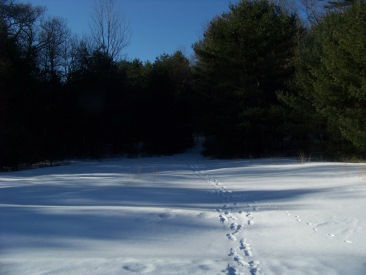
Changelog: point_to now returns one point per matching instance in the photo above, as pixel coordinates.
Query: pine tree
(339, 79)
(167, 124)
(243, 59)
(305, 127)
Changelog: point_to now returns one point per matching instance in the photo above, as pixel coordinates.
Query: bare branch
(52, 47)
(109, 29)
(314, 10)
(289, 6)
(20, 22)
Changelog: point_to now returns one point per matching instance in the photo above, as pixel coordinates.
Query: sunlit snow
(184, 214)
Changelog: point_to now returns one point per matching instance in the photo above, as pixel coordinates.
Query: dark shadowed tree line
(66, 97)
(273, 83)
(263, 82)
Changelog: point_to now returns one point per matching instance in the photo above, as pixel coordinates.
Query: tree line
(262, 82)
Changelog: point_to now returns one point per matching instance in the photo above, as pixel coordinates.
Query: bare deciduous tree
(109, 28)
(53, 47)
(20, 23)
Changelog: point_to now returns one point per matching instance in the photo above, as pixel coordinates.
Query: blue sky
(156, 26)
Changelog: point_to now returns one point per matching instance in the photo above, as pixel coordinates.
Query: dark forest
(263, 82)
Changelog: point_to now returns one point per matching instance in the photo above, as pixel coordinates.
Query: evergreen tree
(245, 56)
(327, 94)
(168, 122)
(339, 80)
(97, 100)
(305, 127)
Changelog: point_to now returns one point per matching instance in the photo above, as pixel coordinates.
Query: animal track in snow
(225, 214)
(229, 215)
(237, 258)
(166, 215)
(254, 267)
(138, 268)
(223, 218)
(230, 270)
(245, 247)
(231, 237)
(315, 229)
(233, 226)
(236, 227)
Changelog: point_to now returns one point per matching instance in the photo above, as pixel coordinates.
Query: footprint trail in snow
(311, 225)
(235, 220)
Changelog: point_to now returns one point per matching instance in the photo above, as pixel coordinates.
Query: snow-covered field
(184, 215)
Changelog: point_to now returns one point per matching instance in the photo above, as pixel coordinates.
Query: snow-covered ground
(184, 215)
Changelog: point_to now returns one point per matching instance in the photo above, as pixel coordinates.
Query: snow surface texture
(184, 215)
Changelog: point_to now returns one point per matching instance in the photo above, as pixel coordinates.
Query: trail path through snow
(184, 214)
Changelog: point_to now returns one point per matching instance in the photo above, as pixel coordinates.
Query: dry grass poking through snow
(302, 157)
(363, 174)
